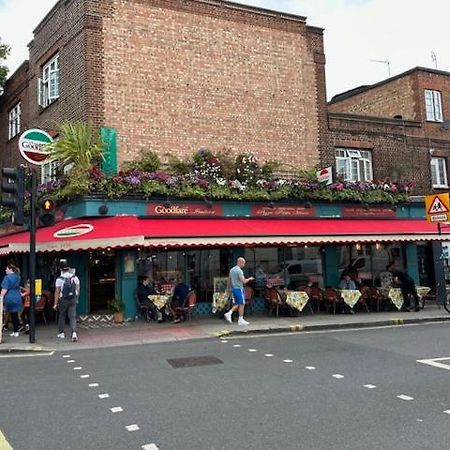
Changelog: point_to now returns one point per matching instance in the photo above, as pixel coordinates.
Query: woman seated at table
(145, 289)
(180, 293)
(347, 282)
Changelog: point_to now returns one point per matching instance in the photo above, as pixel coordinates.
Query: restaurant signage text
(372, 212)
(282, 211)
(184, 210)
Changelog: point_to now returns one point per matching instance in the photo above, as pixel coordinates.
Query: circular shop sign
(74, 231)
(31, 144)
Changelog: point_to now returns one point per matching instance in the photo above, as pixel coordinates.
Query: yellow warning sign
(438, 208)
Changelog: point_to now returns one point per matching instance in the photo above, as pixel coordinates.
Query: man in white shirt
(67, 291)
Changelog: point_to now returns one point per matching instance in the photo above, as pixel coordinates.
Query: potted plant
(116, 306)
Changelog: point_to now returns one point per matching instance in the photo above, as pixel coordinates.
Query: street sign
(437, 207)
(31, 144)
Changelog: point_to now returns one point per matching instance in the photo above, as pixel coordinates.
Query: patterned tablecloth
(350, 296)
(395, 294)
(422, 291)
(220, 301)
(297, 299)
(159, 300)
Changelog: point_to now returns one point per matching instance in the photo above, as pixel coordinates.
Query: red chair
(374, 296)
(274, 300)
(249, 299)
(189, 307)
(331, 298)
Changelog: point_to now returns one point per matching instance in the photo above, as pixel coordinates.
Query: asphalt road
(359, 390)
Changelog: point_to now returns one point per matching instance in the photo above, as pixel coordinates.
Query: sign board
(437, 207)
(38, 286)
(325, 176)
(31, 144)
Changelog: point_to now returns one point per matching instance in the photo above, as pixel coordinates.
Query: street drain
(194, 361)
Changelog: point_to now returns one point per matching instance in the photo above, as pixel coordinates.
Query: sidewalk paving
(139, 332)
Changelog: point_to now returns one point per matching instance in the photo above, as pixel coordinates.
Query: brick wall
(184, 74)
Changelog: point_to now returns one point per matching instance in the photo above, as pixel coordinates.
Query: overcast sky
(407, 33)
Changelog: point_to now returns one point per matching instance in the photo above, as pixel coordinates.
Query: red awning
(131, 231)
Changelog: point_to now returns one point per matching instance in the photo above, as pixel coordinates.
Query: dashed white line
(116, 409)
(310, 368)
(103, 395)
(149, 447)
(224, 341)
(370, 386)
(85, 376)
(66, 356)
(93, 384)
(268, 355)
(405, 397)
(77, 368)
(133, 427)
(70, 361)
(337, 376)
(236, 345)
(288, 360)
(447, 411)
(252, 350)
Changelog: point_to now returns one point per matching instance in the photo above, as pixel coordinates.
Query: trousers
(67, 308)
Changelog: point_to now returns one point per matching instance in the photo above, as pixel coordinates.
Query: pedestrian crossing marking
(435, 362)
(4, 444)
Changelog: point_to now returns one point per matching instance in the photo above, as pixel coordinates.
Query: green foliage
(116, 306)
(148, 161)
(4, 52)
(307, 175)
(268, 168)
(179, 166)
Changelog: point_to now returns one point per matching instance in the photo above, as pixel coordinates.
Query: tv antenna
(385, 61)
(434, 59)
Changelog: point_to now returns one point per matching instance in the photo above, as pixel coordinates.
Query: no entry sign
(31, 144)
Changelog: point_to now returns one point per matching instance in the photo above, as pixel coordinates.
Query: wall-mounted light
(103, 209)
(271, 205)
(365, 206)
(358, 247)
(308, 205)
(378, 246)
(208, 202)
(394, 207)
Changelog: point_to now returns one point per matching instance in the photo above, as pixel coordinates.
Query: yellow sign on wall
(437, 207)
(37, 286)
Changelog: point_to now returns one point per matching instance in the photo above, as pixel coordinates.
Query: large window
(433, 105)
(48, 171)
(48, 85)
(439, 173)
(14, 121)
(354, 165)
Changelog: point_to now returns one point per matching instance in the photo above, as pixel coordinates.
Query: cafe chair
(315, 295)
(248, 290)
(40, 306)
(274, 300)
(374, 296)
(331, 298)
(189, 307)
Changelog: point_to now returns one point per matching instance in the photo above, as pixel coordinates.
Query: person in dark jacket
(407, 286)
(145, 289)
(180, 293)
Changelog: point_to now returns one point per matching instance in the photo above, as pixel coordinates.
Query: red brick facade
(172, 76)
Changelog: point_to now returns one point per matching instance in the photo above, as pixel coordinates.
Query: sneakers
(74, 337)
(242, 321)
(61, 335)
(228, 316)
(15, 334)
(177, 321)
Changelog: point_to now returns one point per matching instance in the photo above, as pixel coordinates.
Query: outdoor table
(159, 300)
(220, 301)
(350, 296)
(422, 291)
(396, 296)
(297, 299)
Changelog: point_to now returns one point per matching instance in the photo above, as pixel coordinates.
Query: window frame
(437, 182)
(48, 84)
(14, 119)
(357, 164)
(433, 105)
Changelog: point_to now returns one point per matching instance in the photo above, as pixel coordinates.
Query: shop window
(14, 121)
(433, 105)
(439, 173)
(354, 165)
(48, 85)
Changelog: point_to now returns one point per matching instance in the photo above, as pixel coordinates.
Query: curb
(299, 328)
(25, 349)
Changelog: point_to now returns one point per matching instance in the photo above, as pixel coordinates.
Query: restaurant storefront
(286, 245)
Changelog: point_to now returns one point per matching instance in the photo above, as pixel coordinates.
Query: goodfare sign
(325, 176)
(31, 144)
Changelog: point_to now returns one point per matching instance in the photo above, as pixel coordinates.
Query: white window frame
(48, 84)
(439, 172)
(433, 106)
(14, 121)
(48, 171)
(354, 165)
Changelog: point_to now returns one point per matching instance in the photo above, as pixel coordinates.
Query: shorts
(238, 296)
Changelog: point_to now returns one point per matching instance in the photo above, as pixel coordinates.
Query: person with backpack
(67, 291)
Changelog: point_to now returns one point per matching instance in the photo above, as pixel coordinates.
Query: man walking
(406, 285)
(236, 282)
(67, 291)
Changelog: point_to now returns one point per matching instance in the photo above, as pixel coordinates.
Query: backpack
(68, 290)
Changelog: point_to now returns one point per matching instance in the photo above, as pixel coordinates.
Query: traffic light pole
(32, 260)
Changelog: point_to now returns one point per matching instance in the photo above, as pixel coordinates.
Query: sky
(364, 39)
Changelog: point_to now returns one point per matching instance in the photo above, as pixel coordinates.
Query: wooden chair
(316, 296)
(189, 307)
(274, 300)
(40, 307)
(331, 298)
(374, 296)
(249, 292)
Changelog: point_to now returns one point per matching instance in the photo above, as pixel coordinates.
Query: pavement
(140, 332)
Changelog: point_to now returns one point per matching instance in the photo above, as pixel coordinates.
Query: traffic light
(13, 184)
(47, 212)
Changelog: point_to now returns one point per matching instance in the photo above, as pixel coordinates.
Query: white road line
(269, 355)
(149, 447)
(223, 341)
(447, 411)
(236, 345)
(70, 361)
(4, 444)
(116, 409)
(405, 397)
(66, 356)
(103, 395)
(252, 350)
(370, 386)
(93, 384)
(433, 362)
(338, 376)
(133, 427)
(288, 360)
(77, 368)
(310, 368)
(85, 376)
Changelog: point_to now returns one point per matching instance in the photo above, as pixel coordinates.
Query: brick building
(397, 128)
(172, 76)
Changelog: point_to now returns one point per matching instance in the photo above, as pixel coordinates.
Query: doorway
(102, 279)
